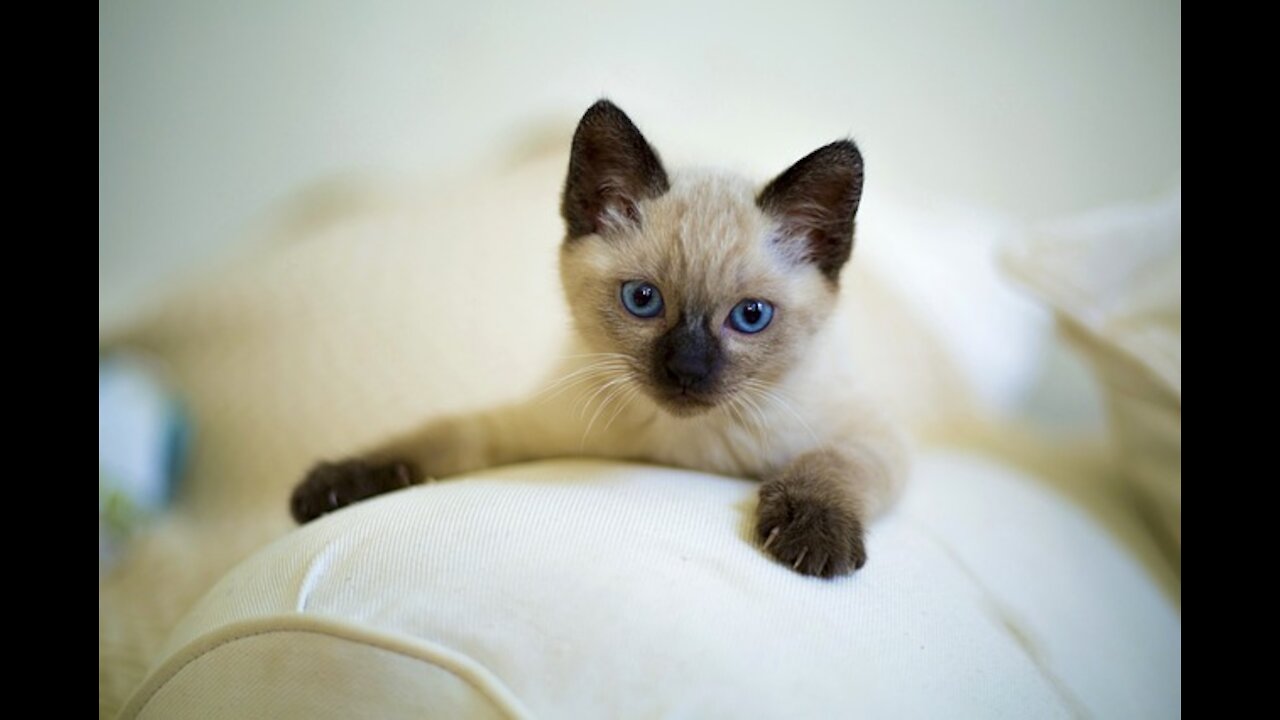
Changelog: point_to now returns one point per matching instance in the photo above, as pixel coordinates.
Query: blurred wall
(210, 112)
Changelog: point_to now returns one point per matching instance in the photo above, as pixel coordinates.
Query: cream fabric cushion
(1114, 278)
(588, 589)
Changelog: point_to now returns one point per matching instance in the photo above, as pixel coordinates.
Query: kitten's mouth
(685, 402)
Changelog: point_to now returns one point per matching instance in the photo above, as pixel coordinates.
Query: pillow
(1114, 279)
(591, 589)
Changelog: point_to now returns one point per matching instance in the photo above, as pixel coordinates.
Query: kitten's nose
(688, 370)
(688, 355)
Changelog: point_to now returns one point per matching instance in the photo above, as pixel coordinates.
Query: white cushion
(586, 589)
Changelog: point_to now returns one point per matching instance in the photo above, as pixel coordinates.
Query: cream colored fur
(793, 392)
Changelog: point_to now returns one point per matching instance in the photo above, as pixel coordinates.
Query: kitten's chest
(728, 444)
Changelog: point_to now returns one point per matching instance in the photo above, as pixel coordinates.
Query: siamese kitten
(703, 308)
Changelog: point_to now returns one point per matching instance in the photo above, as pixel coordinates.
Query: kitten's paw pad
(332, 485)
(812, 535)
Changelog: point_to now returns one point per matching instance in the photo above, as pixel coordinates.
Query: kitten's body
(687, 386)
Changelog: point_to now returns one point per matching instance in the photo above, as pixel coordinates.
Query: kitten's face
(701, 286)
(698, 296)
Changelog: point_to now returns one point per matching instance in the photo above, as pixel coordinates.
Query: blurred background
(209, 113)
(313, 217)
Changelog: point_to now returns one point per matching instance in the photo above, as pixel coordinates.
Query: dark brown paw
(811, 533)
(332, 485)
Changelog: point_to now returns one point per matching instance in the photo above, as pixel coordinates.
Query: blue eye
(751, 315)
(641, 299)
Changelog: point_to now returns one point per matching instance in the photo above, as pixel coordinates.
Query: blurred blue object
(142, 439)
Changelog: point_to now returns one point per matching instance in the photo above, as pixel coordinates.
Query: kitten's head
(701, 285)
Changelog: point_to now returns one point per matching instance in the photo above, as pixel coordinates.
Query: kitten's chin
(684, 405)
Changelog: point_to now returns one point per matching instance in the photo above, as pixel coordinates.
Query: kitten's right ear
(816, 200)
(611, 169)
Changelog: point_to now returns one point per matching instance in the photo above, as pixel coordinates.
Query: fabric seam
(461, 666)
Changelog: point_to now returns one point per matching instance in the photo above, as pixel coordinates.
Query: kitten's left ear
(611, 169)
(815, 201)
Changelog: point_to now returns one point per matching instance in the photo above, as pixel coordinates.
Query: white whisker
(577, 372)
(775, 395)
(731, 404)
(632, 391)
(581, 405)
(763, 436)
(618, 385)
(613, 355)
(580, 375)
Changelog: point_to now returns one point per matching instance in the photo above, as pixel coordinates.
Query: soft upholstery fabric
(584, 589)
(1114, 277)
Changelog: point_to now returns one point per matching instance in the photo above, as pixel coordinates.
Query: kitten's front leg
(812, 514)
(441, 448)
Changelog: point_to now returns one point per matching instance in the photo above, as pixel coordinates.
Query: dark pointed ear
(611, 169)
(816, 200)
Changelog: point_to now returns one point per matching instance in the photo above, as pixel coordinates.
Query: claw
(773, 535)
(799, 559)
(333, 498)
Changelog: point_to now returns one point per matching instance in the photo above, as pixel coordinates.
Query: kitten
(703, 308)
